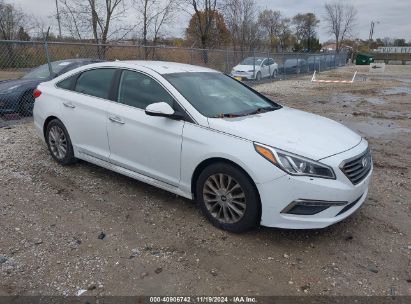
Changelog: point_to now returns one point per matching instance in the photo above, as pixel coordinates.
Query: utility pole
(373, 23)
(58, 18)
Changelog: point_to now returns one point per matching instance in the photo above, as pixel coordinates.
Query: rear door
(272, 66)
(84, 110)
(145, 144)
(265, 68)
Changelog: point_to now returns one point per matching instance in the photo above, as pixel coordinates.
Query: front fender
(202, 143)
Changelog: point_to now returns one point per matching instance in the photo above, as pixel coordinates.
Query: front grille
(358, 167)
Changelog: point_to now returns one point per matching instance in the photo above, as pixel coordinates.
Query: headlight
(294, 164)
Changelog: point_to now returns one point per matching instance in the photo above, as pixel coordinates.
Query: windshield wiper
(227, 115)
(260, 110)
(255, 111)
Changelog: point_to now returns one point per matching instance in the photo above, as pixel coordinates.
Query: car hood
(295, 131)
(245, 68)
(26, 83)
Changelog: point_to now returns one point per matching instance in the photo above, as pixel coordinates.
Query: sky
(392, 17)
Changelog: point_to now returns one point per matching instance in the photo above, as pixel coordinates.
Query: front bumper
(243, 75)
(277, 195)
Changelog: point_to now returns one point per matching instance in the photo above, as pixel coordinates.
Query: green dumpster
(364, 59)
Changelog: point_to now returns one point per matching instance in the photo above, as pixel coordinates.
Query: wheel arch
(21, 95)
(46, 122)
(212, 160)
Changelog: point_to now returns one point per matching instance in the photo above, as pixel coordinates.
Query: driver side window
(139, 91)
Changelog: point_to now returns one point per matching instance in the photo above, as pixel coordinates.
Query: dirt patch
(82, 227)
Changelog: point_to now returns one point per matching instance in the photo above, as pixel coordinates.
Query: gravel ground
(63, 229)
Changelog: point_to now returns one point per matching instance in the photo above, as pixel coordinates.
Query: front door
(145, 144)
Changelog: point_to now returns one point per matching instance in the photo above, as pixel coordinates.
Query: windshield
(251, 61)
(217, 95)
(42, 72)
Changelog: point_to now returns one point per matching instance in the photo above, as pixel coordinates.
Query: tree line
(236, 24)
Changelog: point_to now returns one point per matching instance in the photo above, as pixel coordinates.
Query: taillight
(36, 93)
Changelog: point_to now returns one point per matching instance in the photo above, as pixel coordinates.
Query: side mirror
(162, 109)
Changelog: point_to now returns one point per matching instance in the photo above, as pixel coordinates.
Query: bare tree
(12, 27)
(81, 17)
(11, 20)
(306, 27)
(340, 19)
(204, 11)
(270, 22)
(284, 32)
(240, 16)
(155, 14)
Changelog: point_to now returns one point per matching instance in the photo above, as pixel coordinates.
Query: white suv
(203, 135)
(255, 68)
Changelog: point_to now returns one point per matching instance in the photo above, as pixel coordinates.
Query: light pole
(58, 18)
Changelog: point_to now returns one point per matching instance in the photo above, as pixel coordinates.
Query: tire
(25, 107)
(243, 198)
(258, 76)
(56, 136)
(275, 74)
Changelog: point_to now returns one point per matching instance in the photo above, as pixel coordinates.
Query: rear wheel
(228, 198)
(59, 143)
(26, 104)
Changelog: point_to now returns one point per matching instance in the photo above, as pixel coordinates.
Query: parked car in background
(203, 135)
(16, 95)
(255, 68)
(316, 62)
(330, 61)
(294, 66)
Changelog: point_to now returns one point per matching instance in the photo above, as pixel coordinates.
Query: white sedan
(203, 135)
(255, 68)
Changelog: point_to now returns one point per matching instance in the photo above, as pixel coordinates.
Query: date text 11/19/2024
(203, 299)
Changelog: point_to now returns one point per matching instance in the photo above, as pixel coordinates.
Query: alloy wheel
(58, 142)
(224, 198)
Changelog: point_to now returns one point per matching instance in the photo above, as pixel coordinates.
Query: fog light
(310, 207)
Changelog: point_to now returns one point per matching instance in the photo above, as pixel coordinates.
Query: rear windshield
(43, 72)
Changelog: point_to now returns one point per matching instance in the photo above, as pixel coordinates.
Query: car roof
(258, 58)
(74, 60)
(161, 67)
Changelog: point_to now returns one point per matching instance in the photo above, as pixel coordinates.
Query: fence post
(227, 69)
(255, 76)
(269, 65)
(46, 50)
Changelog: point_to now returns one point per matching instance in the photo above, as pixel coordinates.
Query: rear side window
(138, 90)
(95, 82)
(68, 83)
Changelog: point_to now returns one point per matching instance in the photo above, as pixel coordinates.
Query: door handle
(69, 105)
(116, 120)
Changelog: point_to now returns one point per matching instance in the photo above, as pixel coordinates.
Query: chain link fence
(24, 64)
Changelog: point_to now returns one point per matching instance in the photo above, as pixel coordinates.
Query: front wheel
(258, 76)
(275, 74)
(228, 198)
